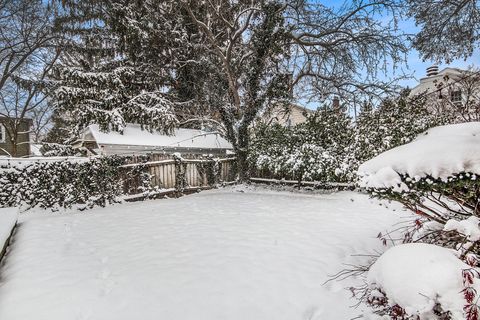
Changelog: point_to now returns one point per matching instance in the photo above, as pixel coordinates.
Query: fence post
(180, 173)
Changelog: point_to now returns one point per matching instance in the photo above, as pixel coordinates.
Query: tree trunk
(14, 145)
(242, 154)
(242, 164)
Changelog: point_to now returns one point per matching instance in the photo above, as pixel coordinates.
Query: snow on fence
(167, 174)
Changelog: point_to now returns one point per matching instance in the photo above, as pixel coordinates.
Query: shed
(134, 140)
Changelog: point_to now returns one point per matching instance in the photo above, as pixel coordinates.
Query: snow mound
(418, 276)
(8, 219)
(468, 227)
(439, 152)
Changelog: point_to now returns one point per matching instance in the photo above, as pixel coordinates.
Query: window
(2, 134)
(456, 96)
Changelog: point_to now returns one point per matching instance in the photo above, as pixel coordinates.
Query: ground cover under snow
(8, 218)
(223, 254)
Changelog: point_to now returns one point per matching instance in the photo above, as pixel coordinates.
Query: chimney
(432, 71)
(336, 103)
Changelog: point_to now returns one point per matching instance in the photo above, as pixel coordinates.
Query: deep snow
(409, 275)
(439, 152)
(223, 254)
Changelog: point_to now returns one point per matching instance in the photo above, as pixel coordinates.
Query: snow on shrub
(58, 150)
(420, 281)
(329, 146)
(61, 183)
(437, 177)
(440, 153)
(319, 149)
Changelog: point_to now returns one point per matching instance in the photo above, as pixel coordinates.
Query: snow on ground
(8, 218)
(440, 152)
(232, 253)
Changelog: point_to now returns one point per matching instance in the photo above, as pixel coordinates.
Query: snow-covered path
(219, 254)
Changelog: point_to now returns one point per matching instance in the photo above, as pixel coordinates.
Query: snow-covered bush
(422, 281)
(58, 150)
(329, 146)
(437, 177)
(319, 149)
(63, 183)
(395, 122)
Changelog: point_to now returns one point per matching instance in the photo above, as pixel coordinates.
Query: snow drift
(440, 152)
(418, 277)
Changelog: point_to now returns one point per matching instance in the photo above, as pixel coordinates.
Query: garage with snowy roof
(135, 140)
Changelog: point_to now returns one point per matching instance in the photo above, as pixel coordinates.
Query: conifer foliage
(395, 122)
(330, 146)
(319, 149)
(107, 74)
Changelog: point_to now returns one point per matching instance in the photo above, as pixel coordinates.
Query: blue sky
(415, 65)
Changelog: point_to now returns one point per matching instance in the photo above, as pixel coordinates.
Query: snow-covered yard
(234, 253)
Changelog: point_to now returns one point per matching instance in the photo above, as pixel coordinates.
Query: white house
(134, 140)
(445, 84)
(288, 116)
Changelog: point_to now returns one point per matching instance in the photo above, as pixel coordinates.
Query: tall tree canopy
(450, 29)
(167, 63)
(119, 64)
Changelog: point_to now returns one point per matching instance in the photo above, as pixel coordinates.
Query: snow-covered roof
(35, 149)
(134, 135)
(439, 152)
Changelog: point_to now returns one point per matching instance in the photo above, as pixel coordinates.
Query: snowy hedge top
(19, 163)
(440, 152)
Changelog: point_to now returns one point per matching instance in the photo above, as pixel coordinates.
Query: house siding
(23, 149)
(296, 115)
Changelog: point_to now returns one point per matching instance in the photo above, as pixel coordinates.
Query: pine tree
(320, 149)
(110, 74)
(395, 122)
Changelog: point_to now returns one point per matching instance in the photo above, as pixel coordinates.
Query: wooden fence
(267, 177)
(167, 173)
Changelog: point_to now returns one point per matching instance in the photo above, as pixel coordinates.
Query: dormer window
(456, 96)
(3, 134)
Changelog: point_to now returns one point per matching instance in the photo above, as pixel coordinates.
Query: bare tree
(449, 29)
(27, 54)
(346, 51)
(229, 61)
(267, 49)
(25, 28)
